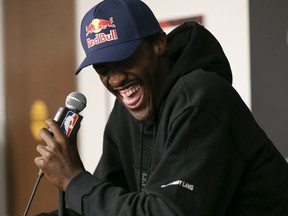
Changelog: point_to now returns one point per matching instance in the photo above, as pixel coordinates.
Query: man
(179, 141)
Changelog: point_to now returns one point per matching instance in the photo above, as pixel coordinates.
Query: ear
(160, 44)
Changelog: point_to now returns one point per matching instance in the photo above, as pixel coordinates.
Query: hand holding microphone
(60, 160)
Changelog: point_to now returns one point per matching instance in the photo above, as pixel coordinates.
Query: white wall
(3, 209)
(97, 110)
(228, 20)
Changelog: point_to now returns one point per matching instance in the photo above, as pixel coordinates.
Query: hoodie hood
(192, 47)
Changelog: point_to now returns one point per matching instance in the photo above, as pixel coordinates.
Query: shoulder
(207, 91)
(201, 88)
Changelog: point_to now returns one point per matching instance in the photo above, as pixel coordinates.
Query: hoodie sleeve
(197, 175)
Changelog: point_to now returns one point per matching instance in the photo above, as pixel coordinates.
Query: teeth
(131, 91)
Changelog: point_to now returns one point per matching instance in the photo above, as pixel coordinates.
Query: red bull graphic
(69, 122)
(96, 26)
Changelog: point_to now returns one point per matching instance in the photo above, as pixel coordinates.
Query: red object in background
(175, 22)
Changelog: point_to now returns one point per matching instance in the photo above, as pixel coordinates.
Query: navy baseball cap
(113, 29)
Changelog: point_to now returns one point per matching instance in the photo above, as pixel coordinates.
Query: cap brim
(114, 53)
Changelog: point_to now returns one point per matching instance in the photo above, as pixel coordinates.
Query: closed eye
(101, 69)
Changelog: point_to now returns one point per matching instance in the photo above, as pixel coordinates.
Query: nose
(117, 78)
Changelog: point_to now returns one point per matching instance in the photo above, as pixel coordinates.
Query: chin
(140, 115)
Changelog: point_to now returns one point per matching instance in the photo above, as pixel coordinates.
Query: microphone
(68, 117)
(69, 120)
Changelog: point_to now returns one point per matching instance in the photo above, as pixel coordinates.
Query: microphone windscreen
(76, 101)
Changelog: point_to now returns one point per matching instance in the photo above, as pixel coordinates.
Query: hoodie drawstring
(141, 158)
(142, 182)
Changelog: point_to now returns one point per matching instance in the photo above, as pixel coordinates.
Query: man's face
(135, 81)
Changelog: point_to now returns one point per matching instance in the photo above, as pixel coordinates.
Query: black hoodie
(202, 154)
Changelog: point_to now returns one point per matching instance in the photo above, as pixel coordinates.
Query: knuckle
(50, 156)
(40, 162)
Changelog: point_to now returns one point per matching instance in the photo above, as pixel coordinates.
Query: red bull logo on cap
(96, 26)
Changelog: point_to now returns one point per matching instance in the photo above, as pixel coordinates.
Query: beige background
(40, 55)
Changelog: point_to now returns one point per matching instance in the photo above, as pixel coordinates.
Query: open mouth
(132, 96)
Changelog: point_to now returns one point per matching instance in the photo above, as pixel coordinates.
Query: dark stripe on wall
(269, 68)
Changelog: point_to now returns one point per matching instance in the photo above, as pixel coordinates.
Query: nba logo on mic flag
(69, 122)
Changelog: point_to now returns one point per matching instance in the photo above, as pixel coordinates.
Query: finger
(55, 128)
(40, 162)
(44, 151)
(45, 134)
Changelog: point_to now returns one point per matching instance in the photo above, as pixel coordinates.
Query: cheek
(105, 82)
(150, 78)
